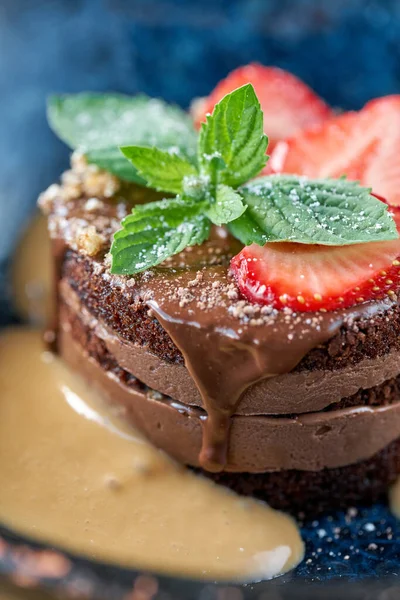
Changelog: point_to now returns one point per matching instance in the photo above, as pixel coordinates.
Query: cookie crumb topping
(90, 242)
(83, 179)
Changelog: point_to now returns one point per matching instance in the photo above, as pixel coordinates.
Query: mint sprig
(209, 174)
(98, 124)
(231, 148)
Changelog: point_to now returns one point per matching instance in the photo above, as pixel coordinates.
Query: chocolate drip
(225, 356)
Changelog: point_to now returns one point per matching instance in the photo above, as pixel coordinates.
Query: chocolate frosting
(258, 443)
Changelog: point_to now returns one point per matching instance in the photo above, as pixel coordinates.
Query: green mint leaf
(156, 231)
(98, 124)
(325, 211)
(234, 136)
(227, 207)
(161, 169)
(247, 230)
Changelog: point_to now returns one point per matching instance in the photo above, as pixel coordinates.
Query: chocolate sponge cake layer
(360, 484)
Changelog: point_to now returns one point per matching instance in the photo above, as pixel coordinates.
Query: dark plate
(353, 556)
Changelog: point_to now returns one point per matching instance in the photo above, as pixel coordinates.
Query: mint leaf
(320, 211)
(227, 207)
(234, 135)
(246, 230)
(97, 124)
(156, 231)
(161, 169)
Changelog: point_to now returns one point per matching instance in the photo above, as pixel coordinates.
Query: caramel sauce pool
(75, 476)
(32, 274)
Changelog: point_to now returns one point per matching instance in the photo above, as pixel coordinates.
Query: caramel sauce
(32, 274)
(75, 476)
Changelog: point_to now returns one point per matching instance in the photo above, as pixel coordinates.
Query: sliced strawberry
(364, 146)
(288, 104)
(308, 278)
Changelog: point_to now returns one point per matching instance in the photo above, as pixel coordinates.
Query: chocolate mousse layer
(259, 443)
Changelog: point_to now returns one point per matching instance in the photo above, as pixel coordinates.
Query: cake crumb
(198, 279)
(46, 198)
(100, 183)
(232, 294)
(89, 241)
(184, 296)
(108, 260)
(78, 162)
(93, 204)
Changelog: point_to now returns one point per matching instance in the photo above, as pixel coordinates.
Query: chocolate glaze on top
(227, 345)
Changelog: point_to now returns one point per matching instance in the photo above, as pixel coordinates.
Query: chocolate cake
(300, 409)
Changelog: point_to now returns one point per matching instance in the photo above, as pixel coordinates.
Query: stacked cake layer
(285, 406)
